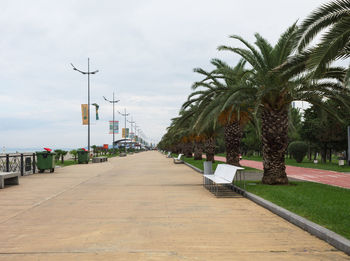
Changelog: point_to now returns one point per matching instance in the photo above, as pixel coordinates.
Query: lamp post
(124, 115)
(131, 123)
(88, 74)
(113, 102)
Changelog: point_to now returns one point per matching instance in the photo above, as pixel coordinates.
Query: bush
(298, 150)
(250, 153)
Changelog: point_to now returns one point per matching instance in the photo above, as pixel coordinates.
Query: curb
(339, 242)
(325, 234)
(193, 167)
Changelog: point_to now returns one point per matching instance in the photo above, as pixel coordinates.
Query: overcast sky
(145, 52)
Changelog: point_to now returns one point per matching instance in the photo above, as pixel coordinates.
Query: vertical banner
(113, 127)
(84, 113)
(96, 106)
(125, 133)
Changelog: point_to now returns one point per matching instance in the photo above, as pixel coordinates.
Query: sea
(5, 150)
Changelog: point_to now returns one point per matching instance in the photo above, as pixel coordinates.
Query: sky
(145, 52)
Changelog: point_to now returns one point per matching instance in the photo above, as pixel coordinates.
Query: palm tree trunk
(275, 142)
(233, 135)
(198, 150)
(188, 149)
(209, 148)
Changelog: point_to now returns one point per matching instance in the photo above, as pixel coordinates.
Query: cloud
(145, 52)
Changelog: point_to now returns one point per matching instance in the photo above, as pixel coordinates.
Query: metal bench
(178, 159)
(11, 178)
(223, 175)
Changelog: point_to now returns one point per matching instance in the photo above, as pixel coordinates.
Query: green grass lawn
(309, 164)
(66, 163)
(325, 205)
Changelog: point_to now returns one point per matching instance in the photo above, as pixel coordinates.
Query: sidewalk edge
(193, 167)
(339, 242)
(325, 234)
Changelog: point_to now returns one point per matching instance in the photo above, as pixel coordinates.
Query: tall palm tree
(219, 106)
(276, 87)
(334, 42)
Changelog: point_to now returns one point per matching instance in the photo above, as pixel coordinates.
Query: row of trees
(256, 94)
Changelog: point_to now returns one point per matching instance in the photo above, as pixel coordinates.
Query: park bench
(99, 159)
(178, 159)
(12, 178)
(224, 175)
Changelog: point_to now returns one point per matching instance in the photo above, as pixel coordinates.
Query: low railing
(23, 163)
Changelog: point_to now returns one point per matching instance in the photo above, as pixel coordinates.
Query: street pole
(125, 114)
(131, 123)
(88, 74)
(136, 133)
(113, 102)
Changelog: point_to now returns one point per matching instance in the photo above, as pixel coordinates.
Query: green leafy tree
(294, 124)
(325, 132)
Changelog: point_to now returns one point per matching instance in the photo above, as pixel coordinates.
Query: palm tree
(219, 105)
(275, 86)
(63, 153)
(335, 42)
(74, 153)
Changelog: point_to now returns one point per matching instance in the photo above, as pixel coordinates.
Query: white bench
(12, 178)
(223, 175)
(178, 159)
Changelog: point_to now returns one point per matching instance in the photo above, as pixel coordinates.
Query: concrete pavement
(142, 207)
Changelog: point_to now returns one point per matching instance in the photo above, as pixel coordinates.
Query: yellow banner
(84, 113)
(125, 133)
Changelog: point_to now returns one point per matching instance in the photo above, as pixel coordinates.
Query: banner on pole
(85, 114)
(113, 126)
(125, 133)
(96, 106)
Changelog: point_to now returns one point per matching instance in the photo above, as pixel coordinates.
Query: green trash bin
(45, 160)
(83, 156)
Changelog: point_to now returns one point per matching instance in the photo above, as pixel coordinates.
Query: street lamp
(131, 123)
(88, 74)
(124, 115)
(114, 102)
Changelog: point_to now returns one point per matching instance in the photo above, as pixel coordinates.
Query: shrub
(250, 153)
(298, 150)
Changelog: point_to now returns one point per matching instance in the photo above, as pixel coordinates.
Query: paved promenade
(328, 177)
(142, 207)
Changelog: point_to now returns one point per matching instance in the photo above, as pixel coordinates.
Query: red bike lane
(328, 177)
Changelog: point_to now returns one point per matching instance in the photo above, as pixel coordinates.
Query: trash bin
(83, 156)
(45, 160)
